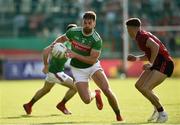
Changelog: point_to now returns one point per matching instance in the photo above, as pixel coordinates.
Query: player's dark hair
(89, 15)
(70, 26)
(133, 22)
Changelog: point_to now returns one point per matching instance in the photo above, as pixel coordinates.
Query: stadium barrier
(22, 69)
(32, 68)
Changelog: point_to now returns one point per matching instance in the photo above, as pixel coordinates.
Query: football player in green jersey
(54, 70)
(86, 45)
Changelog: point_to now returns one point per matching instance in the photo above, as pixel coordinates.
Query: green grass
(134, 107)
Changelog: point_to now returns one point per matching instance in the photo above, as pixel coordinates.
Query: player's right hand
(45, 69)
(131, 57)
(147, 66)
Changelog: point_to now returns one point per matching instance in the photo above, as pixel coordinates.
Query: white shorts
(83, 75)
(59, 77)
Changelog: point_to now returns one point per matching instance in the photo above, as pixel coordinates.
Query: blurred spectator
(172, 43)
(19, 24)
(35, 23)
(39, 17)
(17, 4)
(34, 4)
(136, 5)
(177, 41)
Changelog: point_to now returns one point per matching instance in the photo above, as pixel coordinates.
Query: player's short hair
(133, 22)
(89, 15)
(71, 25)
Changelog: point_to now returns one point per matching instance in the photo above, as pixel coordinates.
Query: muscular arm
(154, 47)
(60, 39)
(48, 49)
(137, 58)
(94, 55)
(142, 57)
(46, 53)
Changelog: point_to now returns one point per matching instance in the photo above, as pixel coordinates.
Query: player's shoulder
(96, 36)
(142, 34)
(145, 33)
(76, 29)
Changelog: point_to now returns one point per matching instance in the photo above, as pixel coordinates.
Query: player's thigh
(68, 83)
(142, 78)
(154, 79)
(63, 79)
(83, 90)
(100, 79)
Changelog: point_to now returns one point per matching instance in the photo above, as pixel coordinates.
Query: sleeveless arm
(154, 48)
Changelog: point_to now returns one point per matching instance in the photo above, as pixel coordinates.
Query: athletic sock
(64, 101)
(160, 109)
(31, 103)
(117, 112)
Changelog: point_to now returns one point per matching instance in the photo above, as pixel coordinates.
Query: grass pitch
(134, 107)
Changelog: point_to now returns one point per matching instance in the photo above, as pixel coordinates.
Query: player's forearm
(154, 53)
(60, 39)
(45, 54)
(86, 59)
(142, 58)
(154, 48)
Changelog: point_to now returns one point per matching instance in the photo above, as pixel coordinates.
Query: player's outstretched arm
(137, 58)
(60, 39)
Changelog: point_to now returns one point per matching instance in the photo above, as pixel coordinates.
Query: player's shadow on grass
(94, 123)
(77, 123)
(126, 123)
(30, 116)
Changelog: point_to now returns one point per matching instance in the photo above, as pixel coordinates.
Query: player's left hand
(45, 69)
(131, 57)
(147, 66)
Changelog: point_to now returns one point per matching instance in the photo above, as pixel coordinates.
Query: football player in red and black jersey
(159, 67)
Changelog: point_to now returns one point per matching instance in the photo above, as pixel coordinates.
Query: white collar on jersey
(88, 34)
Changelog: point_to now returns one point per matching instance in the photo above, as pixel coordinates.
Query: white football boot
(154, 116)
(163, 117)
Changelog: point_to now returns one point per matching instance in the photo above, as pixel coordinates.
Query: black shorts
(163, 65)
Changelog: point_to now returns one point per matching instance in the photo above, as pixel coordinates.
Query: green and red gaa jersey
(56, 64)
(83, 44)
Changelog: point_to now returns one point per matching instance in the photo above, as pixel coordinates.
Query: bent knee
(138, 87)
(145, 89)
(142, 89)
(73, 90)
(86, 100)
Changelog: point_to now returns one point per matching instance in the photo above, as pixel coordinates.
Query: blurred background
(27, 26)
